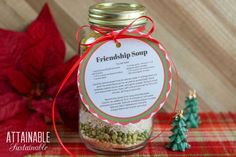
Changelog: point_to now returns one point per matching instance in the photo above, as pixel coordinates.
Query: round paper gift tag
(122, 85)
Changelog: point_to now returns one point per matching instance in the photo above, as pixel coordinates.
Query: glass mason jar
(97, 135)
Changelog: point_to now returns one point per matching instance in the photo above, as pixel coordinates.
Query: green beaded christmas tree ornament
(178, 140)
(191, 110)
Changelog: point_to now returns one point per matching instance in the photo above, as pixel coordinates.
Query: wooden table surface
(200, 35)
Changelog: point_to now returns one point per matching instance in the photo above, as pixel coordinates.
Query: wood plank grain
(200, 35)
(198, 66)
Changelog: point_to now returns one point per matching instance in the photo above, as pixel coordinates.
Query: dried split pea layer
(106, 134)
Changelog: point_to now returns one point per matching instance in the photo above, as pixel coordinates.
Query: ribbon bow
(111, 34)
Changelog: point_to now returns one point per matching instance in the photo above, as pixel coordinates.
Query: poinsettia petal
(43, 26)
(19, 81)
(10, 105)
(13, 44)
(53, 60)
(33, 60)
(69, 108)
(46, 49)
(68, 104)
(45, 107)
(56, 75)
(67, 101)
(5, 87)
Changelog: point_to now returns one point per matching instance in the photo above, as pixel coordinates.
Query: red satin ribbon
(113, 35)
(108, 34)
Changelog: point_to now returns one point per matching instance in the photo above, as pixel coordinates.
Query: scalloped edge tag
(139, 62)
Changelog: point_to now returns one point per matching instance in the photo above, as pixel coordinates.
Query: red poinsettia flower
(32, 67)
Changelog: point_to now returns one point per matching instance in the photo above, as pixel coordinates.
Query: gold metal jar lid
(116, 14)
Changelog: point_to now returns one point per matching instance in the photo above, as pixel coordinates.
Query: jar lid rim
(116, 14)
